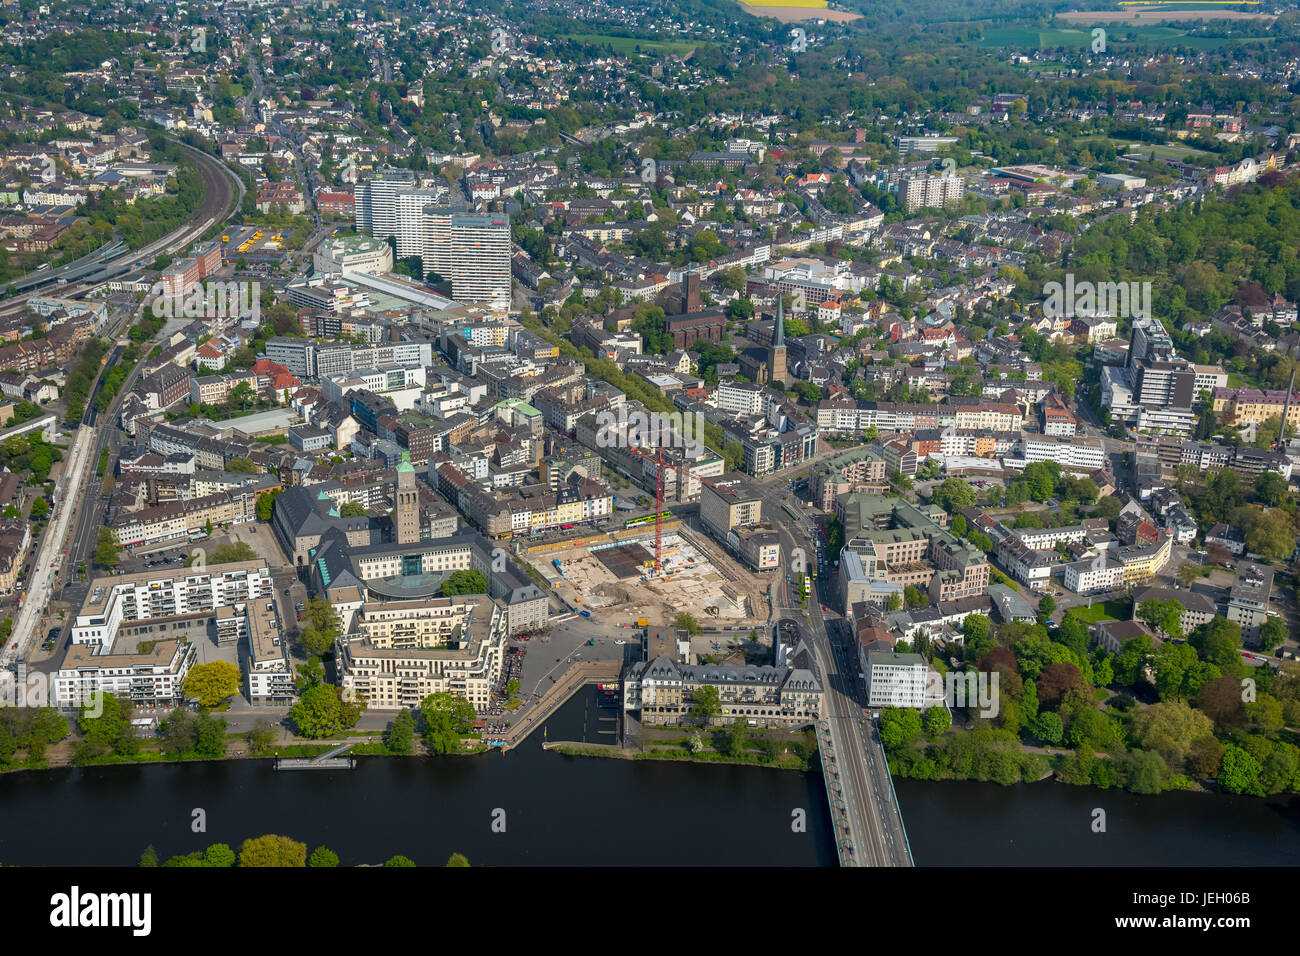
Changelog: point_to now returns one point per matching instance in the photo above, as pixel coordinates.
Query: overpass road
(875, 822)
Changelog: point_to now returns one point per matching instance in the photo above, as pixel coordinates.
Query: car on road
(620, 642)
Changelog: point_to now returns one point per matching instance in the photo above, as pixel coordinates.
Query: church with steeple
(766, 364)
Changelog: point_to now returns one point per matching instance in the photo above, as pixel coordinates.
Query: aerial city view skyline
(855, 437)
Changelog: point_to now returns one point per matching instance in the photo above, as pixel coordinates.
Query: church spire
(779, 339)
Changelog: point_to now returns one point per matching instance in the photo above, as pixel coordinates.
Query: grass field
(632, 44)
(1030, 38)
(1157, 151)
(1172, 12)
(818, 4)
(1106, 611)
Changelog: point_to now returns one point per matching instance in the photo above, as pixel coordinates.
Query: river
(558, 810)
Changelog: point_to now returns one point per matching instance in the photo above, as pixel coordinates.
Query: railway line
(222, 191)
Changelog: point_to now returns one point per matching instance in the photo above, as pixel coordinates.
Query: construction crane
(683, 470)
(1286, 413)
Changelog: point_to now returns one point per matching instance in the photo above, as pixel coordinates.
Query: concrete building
(1248, 599)
(406, 650)
(660, 691)
(894, 680)
(352, 254)
(471, 251)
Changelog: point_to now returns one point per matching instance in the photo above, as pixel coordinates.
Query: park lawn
(1105, 611)
(627, 45)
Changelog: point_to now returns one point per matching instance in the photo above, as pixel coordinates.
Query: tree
(107, 550)
(737, 738)
(457, 859)
(219, 854)
(272, 850)
(1055, 681)
(105, 724)
(895, 602)
(1220, 701)
(1046, 607)
(243, 466)
(322, 711)
(260, 737)
(464, 582)
(40, 508)
(1048, 728)
(232, 552)
(1270, 533)
(401, 733)
(976, 628)
(1204, 757)
(212, 683)
(1272, 634)
(899, 726)
(399, 860)
(1131, 662)
(953, 494)
(1239, 771)
(266, 504)
(1162, 616)
(1169, 730)
(448, 718)
(685, 621)
(1218, 641)
(352, 509)
(1271, 488)
(149, 857)
(706, 704)
(935, 721)
(323, 856)
(1179, 675)
(1143, 772)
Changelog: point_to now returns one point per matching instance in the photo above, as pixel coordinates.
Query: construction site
(614, 578)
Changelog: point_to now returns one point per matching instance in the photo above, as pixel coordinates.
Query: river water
(533, 807)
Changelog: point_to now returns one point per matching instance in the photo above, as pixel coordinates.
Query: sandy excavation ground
(608, 582)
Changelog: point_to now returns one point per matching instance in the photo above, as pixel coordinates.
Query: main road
(875, 819)
(69, 537)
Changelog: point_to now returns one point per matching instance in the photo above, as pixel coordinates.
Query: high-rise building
(1155, 389)
(472, 251)
(931, 191)
(376, 200)
(390, 204)
(407, 518)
